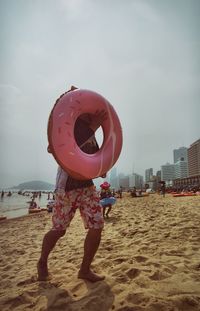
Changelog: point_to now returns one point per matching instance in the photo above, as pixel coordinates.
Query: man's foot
(90, 276)
(42, 271)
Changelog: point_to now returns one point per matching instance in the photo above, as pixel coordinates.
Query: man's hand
(97, 119)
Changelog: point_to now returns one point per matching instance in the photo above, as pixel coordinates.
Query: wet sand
(149, 253)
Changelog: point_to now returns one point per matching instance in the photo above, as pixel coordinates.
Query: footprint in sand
(141, 258)
(109, 248)
(7, 267)
(133, 273)
(137, 298)
(122, 278)
(128, 308)
(79, 290)
(27, 281)
(119, 260)
(159, 275)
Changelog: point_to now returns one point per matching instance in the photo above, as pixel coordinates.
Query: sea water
(17, 205)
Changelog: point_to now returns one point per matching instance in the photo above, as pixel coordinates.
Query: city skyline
(154, 172)
(118, 172)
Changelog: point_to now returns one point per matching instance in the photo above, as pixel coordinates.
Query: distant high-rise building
(156, 182)
(123, 181)
(194, 158)
(158, 175)
(135, 180)
(180, 153)
(168, 173)
(148, 174)
(114, 180)
(181, 169)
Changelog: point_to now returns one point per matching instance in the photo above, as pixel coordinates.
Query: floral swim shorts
(84, 199)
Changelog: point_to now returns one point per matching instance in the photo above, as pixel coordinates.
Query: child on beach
(71, 194)
(106, 198)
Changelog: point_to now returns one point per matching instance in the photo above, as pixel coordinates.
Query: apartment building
(194, 159)
(180, 153)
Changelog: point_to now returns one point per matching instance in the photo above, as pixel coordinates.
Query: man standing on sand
(71, 194)
(163, 188)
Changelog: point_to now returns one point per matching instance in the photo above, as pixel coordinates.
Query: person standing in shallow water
(71, 194)
(2, 194)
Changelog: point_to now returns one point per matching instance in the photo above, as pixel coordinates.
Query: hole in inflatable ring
(99, 136)
(82, 132)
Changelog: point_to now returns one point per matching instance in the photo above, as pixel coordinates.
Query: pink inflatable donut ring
(62, 143)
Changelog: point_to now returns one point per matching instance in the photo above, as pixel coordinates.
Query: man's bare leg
(49, 241)
(91, 245)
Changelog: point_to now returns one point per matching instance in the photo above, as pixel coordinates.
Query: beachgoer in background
(133, 192)
(32, 204)
(71, 194)
(106, 198)
(163, 188)
(2, 194)
(119, 192)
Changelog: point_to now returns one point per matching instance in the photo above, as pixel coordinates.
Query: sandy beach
(149, 254)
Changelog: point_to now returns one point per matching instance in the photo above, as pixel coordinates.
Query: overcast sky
(142, 55)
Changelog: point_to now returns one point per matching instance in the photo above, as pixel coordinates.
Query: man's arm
(97, 119)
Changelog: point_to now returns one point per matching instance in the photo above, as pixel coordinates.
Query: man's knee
(59, 233)
(62, 232)
(95, 232)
